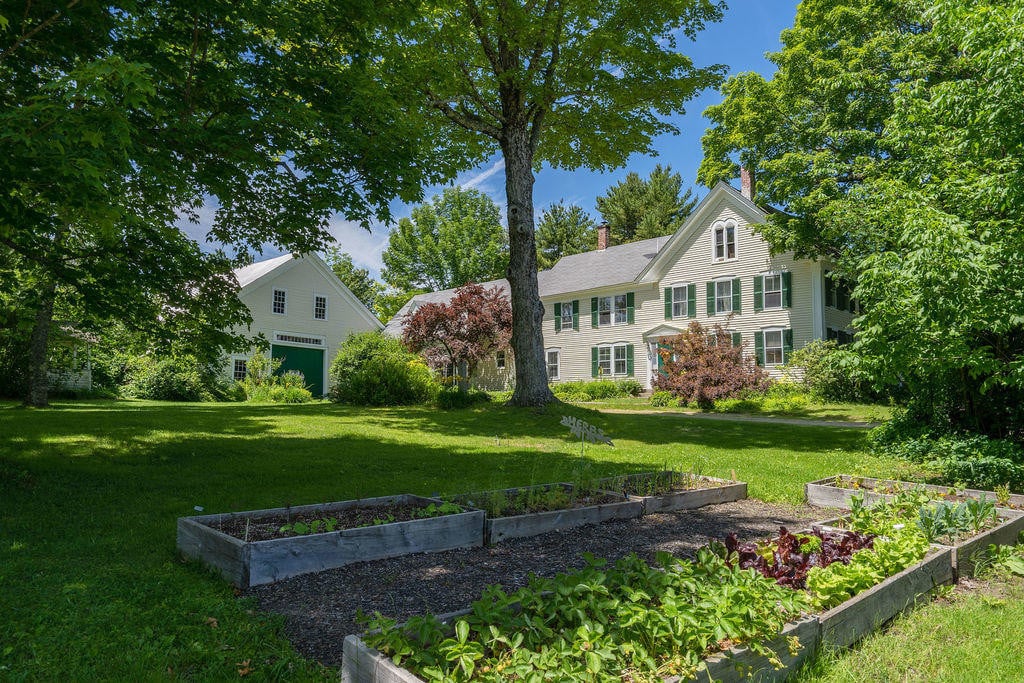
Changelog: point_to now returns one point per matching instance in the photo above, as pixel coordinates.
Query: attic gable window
(724, 241)
(279, 302)
(320, 307)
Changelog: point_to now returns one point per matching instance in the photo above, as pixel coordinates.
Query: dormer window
(279, 302)
(724, 240)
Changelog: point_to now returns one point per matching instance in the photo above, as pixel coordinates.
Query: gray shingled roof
(600, 268)
(394, 326)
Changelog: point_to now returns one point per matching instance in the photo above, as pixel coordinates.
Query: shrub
(597, 389)
(701, 367)
(829, 373)
(453, 397)
(372, 369)
(972, 460)
(664, 398)
(178, 378)
(262, 384)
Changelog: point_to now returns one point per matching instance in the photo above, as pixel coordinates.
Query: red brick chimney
(603, 232)
(747, 186)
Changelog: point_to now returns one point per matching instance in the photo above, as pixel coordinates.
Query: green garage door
(310, 362)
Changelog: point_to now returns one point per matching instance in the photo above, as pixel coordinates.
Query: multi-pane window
(620, 359)
(773, 353)
(604, 360)
(604, 310)
(552, 364)
(679, 302)
(723, 296)
(725, 241)
(773, 291)
(279, 301)
(238, 371)
(621, 310)
(566, 315)
(320, 307)
(499, 360)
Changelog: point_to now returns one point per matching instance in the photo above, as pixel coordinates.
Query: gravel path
(320, 608)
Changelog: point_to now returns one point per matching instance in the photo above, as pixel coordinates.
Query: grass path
(90, 585)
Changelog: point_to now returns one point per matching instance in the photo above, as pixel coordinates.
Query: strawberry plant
(629, 621)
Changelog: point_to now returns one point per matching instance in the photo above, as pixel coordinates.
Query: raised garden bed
(250, 548)
(669, 490)
(836, 492)
(532, 510)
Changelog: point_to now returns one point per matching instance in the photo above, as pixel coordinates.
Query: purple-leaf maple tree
(474, 325)
(702, 365)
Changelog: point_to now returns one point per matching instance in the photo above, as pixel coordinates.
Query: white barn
(305, 313)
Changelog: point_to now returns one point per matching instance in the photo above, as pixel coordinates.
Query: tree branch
(476, 95)
(25, 37)
(481, 33)
(540, 109)
(464, 118)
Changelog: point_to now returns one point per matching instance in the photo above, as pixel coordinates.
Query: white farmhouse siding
(777, 302)
(315, 312)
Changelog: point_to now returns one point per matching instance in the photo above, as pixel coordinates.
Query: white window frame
(273, 301)
(781, 331)
(722, 228)
(317, 295)
(611, 350)
(234, 368)
(558, 364)
(719, 298)
(679, 302)
(765, 290)
(617, 315)
(499, 360)
(566, 317)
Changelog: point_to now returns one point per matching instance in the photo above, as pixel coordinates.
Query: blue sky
(749, 30)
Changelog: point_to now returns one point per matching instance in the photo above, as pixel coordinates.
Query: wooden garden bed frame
(718, 491)
(824, 493)
(252, 563)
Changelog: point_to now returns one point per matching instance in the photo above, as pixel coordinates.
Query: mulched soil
(319, 609)
(266, 528)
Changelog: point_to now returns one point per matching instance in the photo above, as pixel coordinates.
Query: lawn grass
(90, 584)
(765, 407)
(961, 638)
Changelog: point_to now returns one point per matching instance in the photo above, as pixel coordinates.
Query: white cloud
(475, 181)
(365, 247)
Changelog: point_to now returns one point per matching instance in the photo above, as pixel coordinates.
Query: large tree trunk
(527, 310)
(39, 345)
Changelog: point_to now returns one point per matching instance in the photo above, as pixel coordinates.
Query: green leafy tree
(906, 168)
(356, 279)
(638, 209)
(566, 82)
(118, 119)
(562, 231)
(453, 239)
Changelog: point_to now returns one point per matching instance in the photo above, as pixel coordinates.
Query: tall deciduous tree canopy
(472, 327)
(453, 239)
(356, 279)
(562, 231)
(638, 209)
(570, 83)
(117, 119)
(892, 133)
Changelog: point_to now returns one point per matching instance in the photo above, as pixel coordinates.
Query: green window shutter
(759, 292)
(787, 344)
(737, 339)
(558, 317)
(830, 291)
(575, 314)
(593, 361)
(787, 289)
(593, 312)
(853, 303)
(668, 303)
(630, 308)
(629, 359)
(736, 295)
(711, 298)
(759, 347)
(691, 301)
